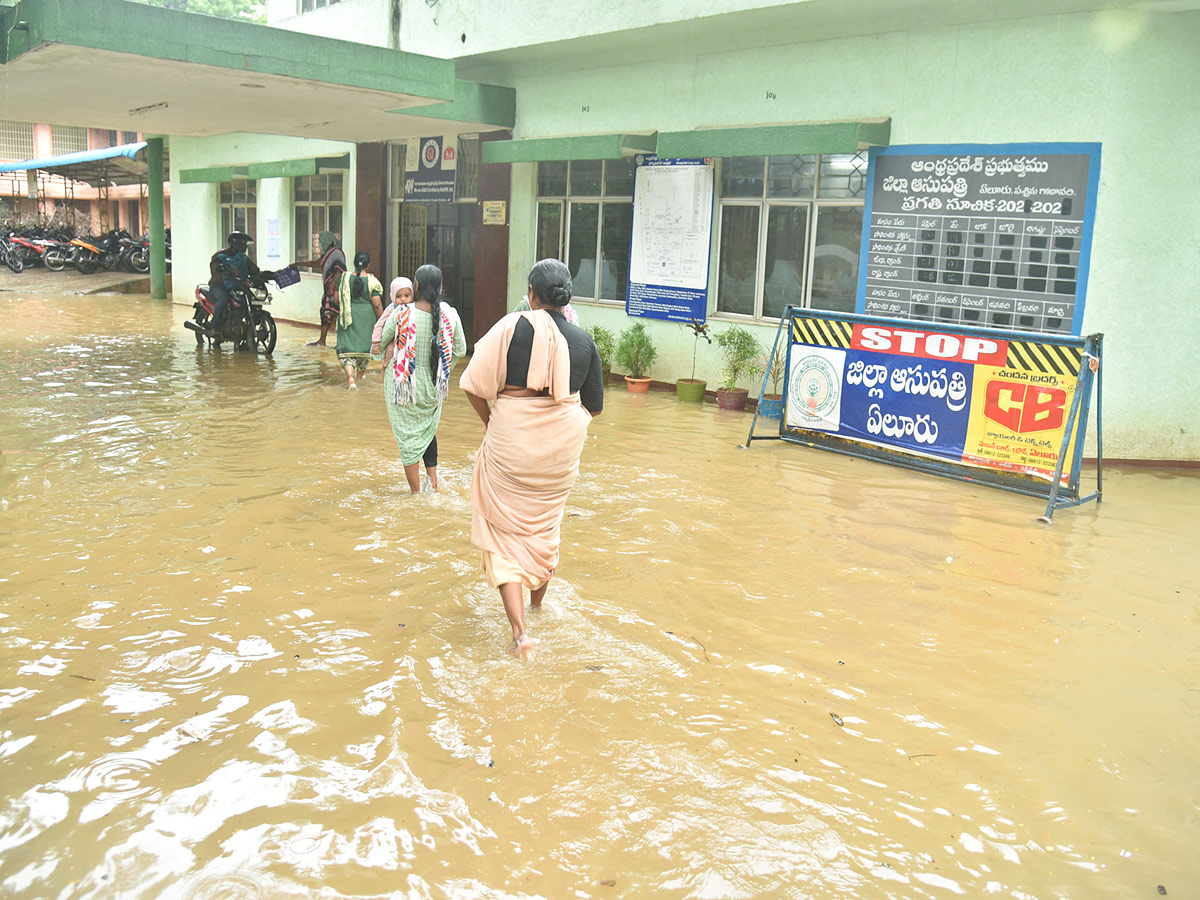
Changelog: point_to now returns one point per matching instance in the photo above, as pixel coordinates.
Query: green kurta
(354, 340)
(415, 423)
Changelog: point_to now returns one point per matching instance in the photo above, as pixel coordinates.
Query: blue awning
(129, 151)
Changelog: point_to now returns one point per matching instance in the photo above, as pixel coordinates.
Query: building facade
(751, 85)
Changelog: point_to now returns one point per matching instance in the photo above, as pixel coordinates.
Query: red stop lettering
(1023, 408)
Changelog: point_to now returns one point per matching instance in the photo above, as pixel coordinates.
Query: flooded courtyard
(240, 661)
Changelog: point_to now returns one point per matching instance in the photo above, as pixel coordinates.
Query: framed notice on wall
(994, 235)
(671, 238)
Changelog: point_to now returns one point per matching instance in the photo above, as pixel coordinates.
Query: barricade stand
(1006, 409)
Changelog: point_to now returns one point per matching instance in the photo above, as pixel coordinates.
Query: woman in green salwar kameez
(429, 339)
(360, 299)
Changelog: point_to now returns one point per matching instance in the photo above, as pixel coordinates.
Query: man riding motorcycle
(231, 257)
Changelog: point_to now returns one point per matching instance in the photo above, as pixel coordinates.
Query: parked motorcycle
(10, 255)
(243, 323)
(107, 250)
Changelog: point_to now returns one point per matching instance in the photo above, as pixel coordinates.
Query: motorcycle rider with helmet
(232, 258)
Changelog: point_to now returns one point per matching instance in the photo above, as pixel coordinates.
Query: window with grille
(317, 207)
(790, 230)
(239, 210)
(310, 5)
(466, 170)
(584, 217)
(16, 140)
(67, 139)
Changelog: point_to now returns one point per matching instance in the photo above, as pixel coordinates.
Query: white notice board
(671, 239)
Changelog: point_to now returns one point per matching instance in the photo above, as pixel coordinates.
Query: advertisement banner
(997, 400)
(429, 167)
(671, 239)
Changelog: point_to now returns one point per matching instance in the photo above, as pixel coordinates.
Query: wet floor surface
(239, 661)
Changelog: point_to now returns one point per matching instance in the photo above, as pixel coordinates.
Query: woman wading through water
(535, 381)
(429, 338)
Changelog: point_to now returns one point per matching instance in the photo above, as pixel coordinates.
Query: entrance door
(442, 234)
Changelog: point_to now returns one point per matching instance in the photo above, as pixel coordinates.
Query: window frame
(813, 204)
(227, 210)
(306, 252)
(564, 202)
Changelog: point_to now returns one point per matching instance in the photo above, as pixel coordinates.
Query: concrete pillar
(154, 190)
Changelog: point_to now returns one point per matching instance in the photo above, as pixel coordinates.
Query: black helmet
(238, 240)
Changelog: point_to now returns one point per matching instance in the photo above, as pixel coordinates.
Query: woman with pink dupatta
(535, 380)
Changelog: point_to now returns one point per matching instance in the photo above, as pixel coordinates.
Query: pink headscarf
(397, 283)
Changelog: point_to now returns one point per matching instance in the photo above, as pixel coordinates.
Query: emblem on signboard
(815, 392)
(430, 154)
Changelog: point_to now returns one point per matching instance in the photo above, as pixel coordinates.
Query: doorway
(442, 234)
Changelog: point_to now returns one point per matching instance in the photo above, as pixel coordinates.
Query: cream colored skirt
(501, 570)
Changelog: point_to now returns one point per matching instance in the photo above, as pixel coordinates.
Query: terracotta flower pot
(732, 399)
(637, 385)
(690, 390)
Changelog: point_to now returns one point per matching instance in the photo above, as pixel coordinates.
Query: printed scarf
(404, 362)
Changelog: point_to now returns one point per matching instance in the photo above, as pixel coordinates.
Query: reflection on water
(239, 661)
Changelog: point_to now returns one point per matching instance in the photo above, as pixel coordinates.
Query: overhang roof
(160, 71)
(125, 164)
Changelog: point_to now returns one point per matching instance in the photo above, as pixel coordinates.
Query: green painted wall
(1126, 78)
(196, 215)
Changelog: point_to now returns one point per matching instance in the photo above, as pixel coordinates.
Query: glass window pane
(319, 188)
(335, 221)
(742, 176)
(239, 218)
(783, 269)
(549, 231)
(843, 174)
(618, 177)
(335, 188)
(226, 223)
(738, 259)
(792, 176)
(585, 177)
(581, 248)
(252, 230)
(303, 235)
(552, 179)
(835, 258)
(303, 189)
(614, 250)
(251, 192)
(226, 192)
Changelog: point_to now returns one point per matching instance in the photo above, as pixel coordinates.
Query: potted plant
(606, 346)
(740, 353)
(636, 353)
(771, 405)
(692, 389)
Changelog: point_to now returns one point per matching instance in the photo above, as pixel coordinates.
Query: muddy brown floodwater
(238, 660)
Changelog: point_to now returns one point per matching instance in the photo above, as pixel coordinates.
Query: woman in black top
(535, 381)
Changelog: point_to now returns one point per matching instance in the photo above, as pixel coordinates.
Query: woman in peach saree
(535, 380)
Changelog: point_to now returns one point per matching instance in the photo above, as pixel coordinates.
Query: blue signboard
(671, 239)
(981, 235)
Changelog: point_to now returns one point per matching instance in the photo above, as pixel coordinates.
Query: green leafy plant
(635, 350)
(606, 344)
(741, 354)
(777, 362)
(700, 330)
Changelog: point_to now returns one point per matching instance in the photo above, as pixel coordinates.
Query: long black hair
(550, 280)
(429, 289)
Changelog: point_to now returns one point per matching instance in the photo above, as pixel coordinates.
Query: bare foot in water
(522, 647)
(315, 344)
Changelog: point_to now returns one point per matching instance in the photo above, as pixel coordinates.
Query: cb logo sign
(1024, 408)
